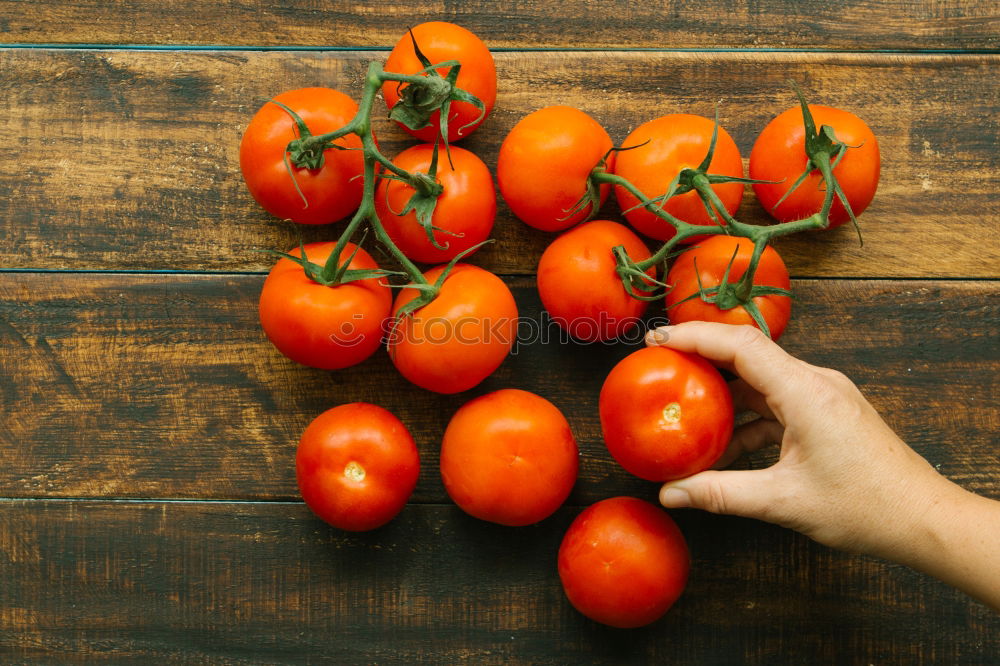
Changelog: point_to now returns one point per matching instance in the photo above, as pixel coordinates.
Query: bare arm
(843, 477)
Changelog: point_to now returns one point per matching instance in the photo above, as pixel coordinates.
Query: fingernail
(674, 498)
(658, 336)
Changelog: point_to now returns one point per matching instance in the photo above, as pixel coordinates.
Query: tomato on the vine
(580, 287)
(458, 339)
(441, 41)
(509, 457)
(779, 155)
(328, 327)
(665, 414)
(544, 165)
(623, 562)
(658, 151)
(327, 194)
(707, 262)
(356, 466)
(464, 211)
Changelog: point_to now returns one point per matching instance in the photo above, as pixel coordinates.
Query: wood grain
(128, 160)
(163, 386)
(226, 583)
(947, 24)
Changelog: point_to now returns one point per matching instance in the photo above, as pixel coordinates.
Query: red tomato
(466, 207)
(509, 457)
(331, 192)
(623, 562)
(440, 41)
(356, 466)
(712, 257)
(545, 162)
(320, 326)
(461, 337)
(672, 143)
(665, 414)
(579, 286)
(779, 154)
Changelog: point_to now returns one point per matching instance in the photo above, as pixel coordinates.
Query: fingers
(762, 364)
(746, 398)
(751, 437)
(739, 493)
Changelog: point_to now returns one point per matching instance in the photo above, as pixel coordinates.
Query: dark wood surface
(148, 508)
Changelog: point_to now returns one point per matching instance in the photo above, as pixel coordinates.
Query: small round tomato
(322, 326)
(665, 414)
(711, 257)
(779, 154)
(331, 192)
(545, 162)
(356, 466)
(579, 285)
(509, 457)
(664, 147)
(466, 208)
(458, 339)
(440, 41)
(623, 562)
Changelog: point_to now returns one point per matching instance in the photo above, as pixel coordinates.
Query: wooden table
(148, 430)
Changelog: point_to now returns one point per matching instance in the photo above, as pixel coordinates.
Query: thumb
(747, 493)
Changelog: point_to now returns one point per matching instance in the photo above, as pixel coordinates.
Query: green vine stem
(824, 152)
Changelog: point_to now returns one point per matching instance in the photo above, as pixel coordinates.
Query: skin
(466, 208)
(544, 164)
(579, 286)
(712, 255)
(672, 143)
(844, 478)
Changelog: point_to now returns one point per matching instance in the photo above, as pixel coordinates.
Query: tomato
(623, 562)
(466, 207)
(665, 146)
(579, 286)
(509, 457)
(712, 256)
(779, 154)
(356, 466)
(331, 192)
(545, 162)
(665, 414)
(440, 41)
(459, 338)
(320, 326)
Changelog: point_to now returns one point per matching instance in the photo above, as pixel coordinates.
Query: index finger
(753, 356)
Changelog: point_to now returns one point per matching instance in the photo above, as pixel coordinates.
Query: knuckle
(749, 336)
(715, 497)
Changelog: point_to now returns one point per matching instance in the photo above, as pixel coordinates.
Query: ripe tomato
(320, 326)
(672, 143)
(459, 338)
(712, 257)
(665, 414)
(509, 457)
(356, 466)
(544, 164)
(466, 207)
(623, 562)
(440, 41)
(331, 192)
(579, 286)
(779, 154)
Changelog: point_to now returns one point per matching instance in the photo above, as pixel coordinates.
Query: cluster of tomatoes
(509, 456)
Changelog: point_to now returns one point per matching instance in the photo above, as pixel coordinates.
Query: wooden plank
(201, 582)
(128, 160)
(949, 24)
(164, 386)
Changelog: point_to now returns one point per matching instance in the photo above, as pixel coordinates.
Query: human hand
(843, 477)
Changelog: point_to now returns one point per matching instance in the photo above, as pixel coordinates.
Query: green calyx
(333, 272)
(423, 202)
